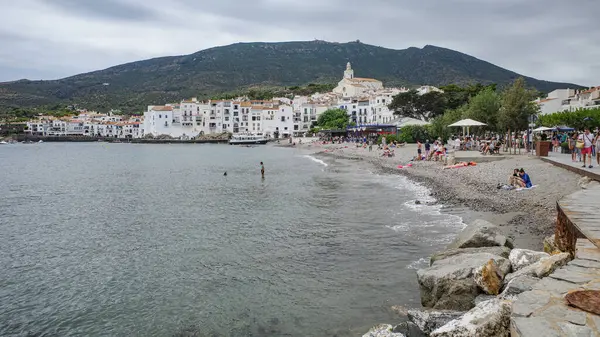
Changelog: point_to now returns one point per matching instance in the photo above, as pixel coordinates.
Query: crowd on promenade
(583, 146)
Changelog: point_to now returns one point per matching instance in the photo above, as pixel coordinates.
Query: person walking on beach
(572, 148)
(419, 149)
(427, 149)
(588, 141)
(262, 169)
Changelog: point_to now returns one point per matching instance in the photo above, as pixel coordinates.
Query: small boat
(40, 141)
(3, 142)
(247, 139)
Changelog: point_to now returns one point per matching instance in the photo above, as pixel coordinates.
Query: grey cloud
(109, 9)
(547, 39)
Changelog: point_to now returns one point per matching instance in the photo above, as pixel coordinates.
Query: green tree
(333, 119)
(412, 133)
(457, 96)
(578, 119)
(517, 108)
(439, 126)
(484, 107)
(424, 107)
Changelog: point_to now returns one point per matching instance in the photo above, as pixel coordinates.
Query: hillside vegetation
(130, 87)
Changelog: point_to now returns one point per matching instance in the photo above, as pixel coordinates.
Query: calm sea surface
(153, 240)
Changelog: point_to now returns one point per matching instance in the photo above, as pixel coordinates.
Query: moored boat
(247, 139)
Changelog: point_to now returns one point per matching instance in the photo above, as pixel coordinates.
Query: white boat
(247, 139)
(3, 142)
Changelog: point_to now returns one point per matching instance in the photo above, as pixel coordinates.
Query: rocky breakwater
(468, 290)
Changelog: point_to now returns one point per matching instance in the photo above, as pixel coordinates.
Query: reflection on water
(153, 240)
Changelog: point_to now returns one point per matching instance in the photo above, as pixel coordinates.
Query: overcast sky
(554, 40)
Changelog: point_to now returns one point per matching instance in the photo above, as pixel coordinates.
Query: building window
(283, 118)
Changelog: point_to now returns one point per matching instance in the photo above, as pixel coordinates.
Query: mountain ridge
(133, 85)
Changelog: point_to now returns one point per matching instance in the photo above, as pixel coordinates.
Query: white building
(158, 121)
(365, 100)
(351, 86)
(569, 100)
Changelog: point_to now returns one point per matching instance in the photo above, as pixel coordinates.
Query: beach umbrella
(542, 129)
(467, 123)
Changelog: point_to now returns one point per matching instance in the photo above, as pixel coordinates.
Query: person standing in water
(262, 169)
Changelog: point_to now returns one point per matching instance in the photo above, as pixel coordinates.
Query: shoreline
(526, 216)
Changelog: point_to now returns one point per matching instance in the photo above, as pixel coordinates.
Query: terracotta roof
(546, 100)
(162, 108)
(246, 104)
(357, 85)
(592, 89)
(362, 79)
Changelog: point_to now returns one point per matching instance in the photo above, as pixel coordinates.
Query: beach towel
(526, 188)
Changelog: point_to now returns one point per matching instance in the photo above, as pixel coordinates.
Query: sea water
(103, 239)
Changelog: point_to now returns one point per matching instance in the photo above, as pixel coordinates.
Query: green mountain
(132, 86)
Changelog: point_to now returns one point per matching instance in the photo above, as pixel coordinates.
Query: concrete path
(543, 311)
(564, 161)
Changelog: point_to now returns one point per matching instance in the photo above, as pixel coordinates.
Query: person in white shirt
(588, 140)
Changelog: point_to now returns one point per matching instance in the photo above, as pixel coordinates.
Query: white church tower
(349, 73)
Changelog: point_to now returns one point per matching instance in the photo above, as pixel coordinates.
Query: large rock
(450, 284)
(500, 251)
(521, 258)
(483, 298)
(480, 233)
(518, 285)
(550, 244)
(544, 267)
(409, 329)
(429, 320)
(488, 319)
(489, 278)
(382, 330)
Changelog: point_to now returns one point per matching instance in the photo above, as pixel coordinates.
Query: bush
(410, 134)
(388, 138)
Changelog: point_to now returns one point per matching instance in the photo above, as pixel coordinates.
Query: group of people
(435, 151)
(584, 146)
(519, 179)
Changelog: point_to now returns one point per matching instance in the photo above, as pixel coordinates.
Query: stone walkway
(543, 312)
(564, 161)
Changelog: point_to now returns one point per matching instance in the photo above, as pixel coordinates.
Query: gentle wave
(419, 264)
(316, 160)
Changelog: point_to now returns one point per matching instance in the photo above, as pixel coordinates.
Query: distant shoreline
(80, 139)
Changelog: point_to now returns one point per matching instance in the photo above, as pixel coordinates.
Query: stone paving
(543, 311)
(564, 161)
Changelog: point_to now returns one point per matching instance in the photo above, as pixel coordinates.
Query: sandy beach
(527, 216)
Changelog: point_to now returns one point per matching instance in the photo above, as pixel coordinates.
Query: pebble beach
(527, 216)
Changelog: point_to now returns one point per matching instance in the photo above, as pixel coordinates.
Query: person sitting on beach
(525, 177)
(515, 180)
(521, 179)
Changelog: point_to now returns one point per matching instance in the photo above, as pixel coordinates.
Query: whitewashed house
(158, 120)
(569, 100)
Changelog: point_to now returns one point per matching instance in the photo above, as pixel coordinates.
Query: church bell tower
(349, 73)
